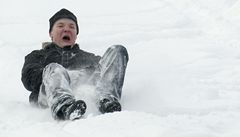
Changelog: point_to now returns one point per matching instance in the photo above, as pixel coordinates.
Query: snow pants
(57, 84)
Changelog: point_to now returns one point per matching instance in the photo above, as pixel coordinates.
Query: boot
(109, 104)
(73, 110)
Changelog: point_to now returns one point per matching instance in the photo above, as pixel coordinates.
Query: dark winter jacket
(71, 58)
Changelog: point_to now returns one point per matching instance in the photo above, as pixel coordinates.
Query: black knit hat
(63, 13)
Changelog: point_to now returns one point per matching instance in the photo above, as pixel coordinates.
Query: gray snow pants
(56, 88)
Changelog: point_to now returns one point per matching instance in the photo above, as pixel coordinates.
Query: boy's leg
(112, 71)
(56, 93)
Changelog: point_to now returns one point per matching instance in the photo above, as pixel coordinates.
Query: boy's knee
(53, 66)
(121, 50)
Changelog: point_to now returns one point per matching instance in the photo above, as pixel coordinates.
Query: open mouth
(66, 38)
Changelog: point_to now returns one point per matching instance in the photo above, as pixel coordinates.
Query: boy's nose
(66, 29)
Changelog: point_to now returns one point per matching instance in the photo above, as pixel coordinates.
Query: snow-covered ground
(182, 80)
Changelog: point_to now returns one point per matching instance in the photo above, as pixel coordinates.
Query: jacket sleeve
(32, 71)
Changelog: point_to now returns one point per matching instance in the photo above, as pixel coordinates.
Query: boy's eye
(71, 26)
(60, 26)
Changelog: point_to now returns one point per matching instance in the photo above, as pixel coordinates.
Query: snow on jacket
(71, 58)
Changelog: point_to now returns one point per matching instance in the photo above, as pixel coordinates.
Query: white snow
(182, 80)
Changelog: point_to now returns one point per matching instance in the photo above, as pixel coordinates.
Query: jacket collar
(47, 45)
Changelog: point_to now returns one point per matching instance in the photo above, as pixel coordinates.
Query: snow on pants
(56, 88)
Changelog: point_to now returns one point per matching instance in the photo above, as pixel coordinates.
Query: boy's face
(64, 32)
